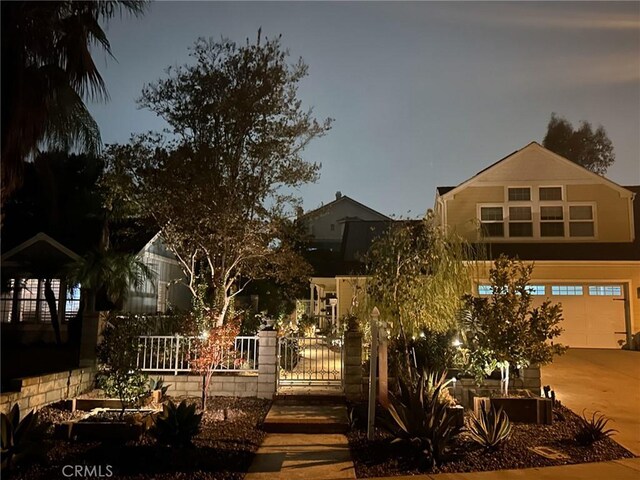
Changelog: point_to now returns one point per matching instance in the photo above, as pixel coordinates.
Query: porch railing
(174, 353)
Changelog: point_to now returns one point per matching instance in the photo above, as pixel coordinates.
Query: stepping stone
(287, 417)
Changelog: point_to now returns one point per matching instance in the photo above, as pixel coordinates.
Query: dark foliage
(591, 430)
(177, 425)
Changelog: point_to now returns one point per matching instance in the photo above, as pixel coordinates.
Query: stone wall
(36, 392)
(232, 384)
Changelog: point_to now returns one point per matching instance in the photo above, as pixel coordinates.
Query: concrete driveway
(604, 380)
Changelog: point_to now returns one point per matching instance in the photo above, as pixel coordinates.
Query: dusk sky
(423, 94)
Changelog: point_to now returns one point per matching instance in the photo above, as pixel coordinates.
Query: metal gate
(310, 361)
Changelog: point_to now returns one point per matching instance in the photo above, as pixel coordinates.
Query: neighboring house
(24, 312)
(165, 289)
(325, 225)
(581, 230)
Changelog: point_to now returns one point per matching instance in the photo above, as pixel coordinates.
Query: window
(550, 193)
(535, 289)
(566, 290)
(520, 224)
(519, 194)
(333, 227)
(485, 290)
(581, 221)
(6, 301)
(162, 297)
(551, 221)
(72, 302)
(28, 306)
(492, 221)
(605, 290)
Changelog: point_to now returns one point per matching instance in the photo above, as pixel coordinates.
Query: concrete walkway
(294, 456)
(626, 469)
(604, 380)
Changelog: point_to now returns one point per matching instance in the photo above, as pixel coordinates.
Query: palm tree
(108, 272)
(47, 73)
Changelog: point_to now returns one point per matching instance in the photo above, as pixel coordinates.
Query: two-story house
(581, 230)
(326, 227)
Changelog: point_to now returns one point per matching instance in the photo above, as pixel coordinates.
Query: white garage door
(593, 313)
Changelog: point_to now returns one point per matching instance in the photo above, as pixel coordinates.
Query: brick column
(267, 363)
(353, 365)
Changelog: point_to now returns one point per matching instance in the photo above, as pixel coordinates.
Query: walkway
(604, 380)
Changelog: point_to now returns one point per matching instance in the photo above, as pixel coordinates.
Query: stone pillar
(267, 363)
(353, 366)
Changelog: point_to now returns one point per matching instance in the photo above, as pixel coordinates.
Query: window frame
(522, 187)
(562, 221)
(563, 194)
(593, 220)
(568, 293)
(529, 221)
(479, 208)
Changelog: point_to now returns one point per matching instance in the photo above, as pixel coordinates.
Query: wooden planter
(523, 410)
(100, 431)
(88, 404)
(458, 413)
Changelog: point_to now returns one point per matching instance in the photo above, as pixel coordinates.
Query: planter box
(458, 413)
(102, 431)
(88, 404)
(523, 410)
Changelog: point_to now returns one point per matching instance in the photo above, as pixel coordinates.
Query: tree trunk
(504, 378)
(53, 309)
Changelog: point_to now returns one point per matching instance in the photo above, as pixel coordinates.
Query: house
(326, 227)
(581, 230)
(165, 290)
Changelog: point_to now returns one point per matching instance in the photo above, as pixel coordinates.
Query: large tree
(584, 146)
(47, 73)
(219, 183)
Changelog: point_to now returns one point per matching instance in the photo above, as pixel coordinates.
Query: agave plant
(158, 384)
(16, 444)
(590, 430)
(422, 418)
(177, 425)
(491, 429)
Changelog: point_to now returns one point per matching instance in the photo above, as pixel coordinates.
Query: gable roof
(40, 255)
(447, 192)
(343, 198)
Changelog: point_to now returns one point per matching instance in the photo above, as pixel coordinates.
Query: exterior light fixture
(456, 342)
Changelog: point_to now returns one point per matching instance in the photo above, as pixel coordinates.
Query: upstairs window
(550, 193)
(566, 290)
(552, 221)
(581, 221)
(6, 301)
(72, 302)
(520, 224)
(519, 194)
(492, 221)
(535, 289)
(605, 290)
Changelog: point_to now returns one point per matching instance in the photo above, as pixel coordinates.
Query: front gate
(310, 361)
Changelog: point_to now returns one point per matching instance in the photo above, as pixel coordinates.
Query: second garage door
(593, 313)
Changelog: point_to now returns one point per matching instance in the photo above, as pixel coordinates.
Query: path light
(204, 335)
(456, 342)
(422, 335)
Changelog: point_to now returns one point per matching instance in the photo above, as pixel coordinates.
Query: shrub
(16, 443)
(422, 418)
(591, 430)
(177, 425)
(491, 429)
(128, 387)
(158, 384)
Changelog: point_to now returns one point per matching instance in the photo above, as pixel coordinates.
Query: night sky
(423, 94)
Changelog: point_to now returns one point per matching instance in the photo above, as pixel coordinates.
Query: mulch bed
(380, 458)
(223, 450)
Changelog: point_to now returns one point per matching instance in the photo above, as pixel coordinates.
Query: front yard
(230, 435)
(380, 457)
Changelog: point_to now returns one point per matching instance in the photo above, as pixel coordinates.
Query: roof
(39, 255)
(343, 198)
(481, 173)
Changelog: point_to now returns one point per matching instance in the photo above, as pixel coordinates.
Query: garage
(593, 313)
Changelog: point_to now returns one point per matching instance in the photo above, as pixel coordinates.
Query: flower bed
(223, 449)
(379, 458)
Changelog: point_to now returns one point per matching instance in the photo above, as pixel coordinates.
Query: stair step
(286, 417)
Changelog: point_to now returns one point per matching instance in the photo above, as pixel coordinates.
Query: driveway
(603, 380)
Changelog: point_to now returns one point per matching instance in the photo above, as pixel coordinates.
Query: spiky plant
(15, 442)
(177, 425)
(491, 428)
(591, 430)
(422, 419)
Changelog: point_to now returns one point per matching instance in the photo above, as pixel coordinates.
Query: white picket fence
(173, 353)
